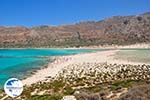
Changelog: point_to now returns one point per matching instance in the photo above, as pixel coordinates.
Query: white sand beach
(63, 61)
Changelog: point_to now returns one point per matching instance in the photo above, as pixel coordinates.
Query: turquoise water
(134, 55)
(19, 63)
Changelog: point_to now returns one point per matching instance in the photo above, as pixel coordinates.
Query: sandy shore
(138, 45)
(63, 61)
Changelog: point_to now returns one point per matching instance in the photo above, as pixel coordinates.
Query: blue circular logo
(13, 87)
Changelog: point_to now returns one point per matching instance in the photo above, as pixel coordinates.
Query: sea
(20, 63)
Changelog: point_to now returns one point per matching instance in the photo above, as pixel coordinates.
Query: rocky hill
(119, 30)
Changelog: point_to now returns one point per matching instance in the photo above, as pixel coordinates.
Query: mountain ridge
(118, 30)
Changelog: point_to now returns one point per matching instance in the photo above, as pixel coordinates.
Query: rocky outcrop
(119, 30)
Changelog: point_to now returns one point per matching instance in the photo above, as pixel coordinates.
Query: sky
(61, 12)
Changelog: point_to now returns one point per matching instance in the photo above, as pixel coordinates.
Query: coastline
(61, 62)
(95, 57)
(137, 45)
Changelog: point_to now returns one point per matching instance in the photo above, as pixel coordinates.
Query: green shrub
(40, 97)
(94, 89)
(56, 97)
(57, 85)
(68, 90)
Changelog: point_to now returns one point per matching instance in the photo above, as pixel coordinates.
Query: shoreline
(61, 62)
(134, 46)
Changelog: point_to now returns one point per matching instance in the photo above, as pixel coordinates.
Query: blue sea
(19, 63)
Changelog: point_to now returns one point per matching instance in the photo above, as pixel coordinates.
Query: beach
(110, 72)
(62, 62)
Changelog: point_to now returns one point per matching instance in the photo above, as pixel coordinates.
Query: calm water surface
(135, 55)
(19, 63)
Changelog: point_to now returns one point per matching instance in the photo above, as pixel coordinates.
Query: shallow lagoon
(19, 63)
(134, 55)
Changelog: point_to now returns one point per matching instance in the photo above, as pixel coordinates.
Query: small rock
(69, 97)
